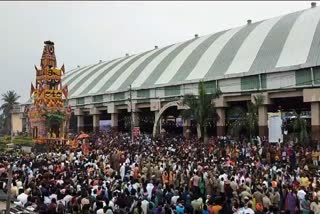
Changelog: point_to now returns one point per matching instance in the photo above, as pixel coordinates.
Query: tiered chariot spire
(49, 116)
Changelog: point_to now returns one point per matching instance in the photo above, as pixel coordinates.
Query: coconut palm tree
(239, 124)
(10, 99)
(201, 109)
(299, 125)
(1, 123)
(246, 120)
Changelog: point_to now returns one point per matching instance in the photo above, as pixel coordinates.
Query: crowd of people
(109, 174)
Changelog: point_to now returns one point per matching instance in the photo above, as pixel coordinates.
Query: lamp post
(11, 126)
(9, 190)
(131, 120)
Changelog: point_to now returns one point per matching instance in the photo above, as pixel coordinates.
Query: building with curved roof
(277, 57)
(285, 43)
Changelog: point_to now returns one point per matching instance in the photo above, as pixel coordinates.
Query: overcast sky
(86, 32)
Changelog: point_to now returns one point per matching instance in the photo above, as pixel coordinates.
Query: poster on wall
(275, 130)
(105, 125)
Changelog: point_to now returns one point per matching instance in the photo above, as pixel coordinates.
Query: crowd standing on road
(108, 174)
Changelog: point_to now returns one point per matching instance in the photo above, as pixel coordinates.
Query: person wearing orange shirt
(136, 171)
(216, 208)
(58, 169)
(165, 177)
(170, 177)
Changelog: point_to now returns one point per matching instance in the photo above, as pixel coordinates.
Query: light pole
(11, 126)
(131, 120)
(9, 190)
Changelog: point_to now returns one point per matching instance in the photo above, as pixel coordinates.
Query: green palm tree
(299, 125)
(10, 99)
(1, 122)
(240, 123)
(201, 108)
(246, 120)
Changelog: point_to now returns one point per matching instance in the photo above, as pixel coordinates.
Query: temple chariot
(49, 114)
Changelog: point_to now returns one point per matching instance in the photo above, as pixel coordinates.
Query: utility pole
(131, 123)
(9, 190)
(11, 126)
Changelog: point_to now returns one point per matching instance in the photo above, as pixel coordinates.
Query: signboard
(47, 93)
(105, 125)
(275, 130)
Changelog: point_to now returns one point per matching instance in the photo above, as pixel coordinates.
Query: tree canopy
(201, 108)
(246, 120)
(10, 99)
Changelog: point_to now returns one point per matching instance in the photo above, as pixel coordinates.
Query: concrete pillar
(80, 123)
(114, 121)
(135, 119)
(95, 112)
(263, 121)
(186, 128)
(96, 122)
(80, 119)
(315, 120)
(221, 123)
(312, 95)
(155, 105)
(157, 123)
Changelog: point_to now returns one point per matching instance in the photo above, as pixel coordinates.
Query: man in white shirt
(149, 188)
(315, 206)
(101, 211)
(145, 205)
(248, 210)
(301, 194)
(122, 171)
(66, 198)
(23, 197)
(175, 198)
(224, 176)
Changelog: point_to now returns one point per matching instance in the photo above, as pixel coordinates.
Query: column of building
(312, 96)
(262, 113)
(186, 128)
(114, 121)
(263, 121)
(135, 113)
(135, 116)
(221, 106)
(315, 121)
(80, 119)
(221, 123)
(95, 113)
(155, 107)
(114, 116)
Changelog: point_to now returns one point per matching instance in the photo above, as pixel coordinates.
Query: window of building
(119, 96)
(80, 101)
(303, 77)
(172, 90)
(143, 93)
(98, 98)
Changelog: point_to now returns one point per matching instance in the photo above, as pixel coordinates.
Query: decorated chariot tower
(48, 116)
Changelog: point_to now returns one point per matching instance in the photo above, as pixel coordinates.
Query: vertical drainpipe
(260, 82)
(312, 76)
(183, 90)
(216, 85)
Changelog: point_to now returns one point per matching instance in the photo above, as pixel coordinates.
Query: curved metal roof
(282, 43)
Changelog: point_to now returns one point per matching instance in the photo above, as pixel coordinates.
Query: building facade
(278, 58)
